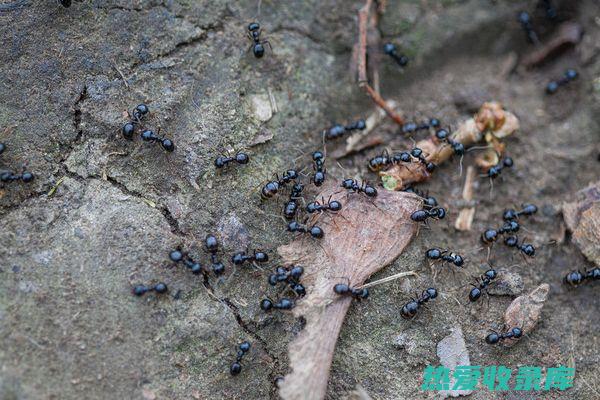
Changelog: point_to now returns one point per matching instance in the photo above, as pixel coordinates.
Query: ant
(2, 148)
(315, 231)
(411, 127)
(345, 290)
(65, 3)
(319, 160)
(212, 246)
(284, 304)
(139, 112)
(491, 235)
(241, 257)
(178, 256)
(514, 333)
(568, 76)
(444, 136)
(272, 187)
(160, 287)
(352, 184)
(339, 130)
(525, 248)
(551, 12)
(240, 158)
(257, 47)
(330, 205)
(409, 310)
(527, 209)
(8, 176)
(150, 136)
(290, 276)
(486, 279)
(418, 154)
(433, 212)
(495, 170)
(525, 19)
(236, 367)
(575, 278)
(383, 160)
(428, 201)
(445, 256)
(390, 50)
(291, 207)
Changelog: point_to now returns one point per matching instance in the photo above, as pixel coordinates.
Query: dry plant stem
(365, 236)
(568, 34)
(388, 279)
(363, 81)
(466, 214)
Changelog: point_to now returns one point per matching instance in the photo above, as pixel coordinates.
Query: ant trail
(387, 279)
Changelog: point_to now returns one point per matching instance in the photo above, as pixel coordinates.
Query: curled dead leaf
(365, 236)
(492, 118)
(582, 217)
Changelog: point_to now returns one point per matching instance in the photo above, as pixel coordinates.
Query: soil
(103, 213)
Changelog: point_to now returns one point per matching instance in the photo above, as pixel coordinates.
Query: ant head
(266, 304)
(316, 232)
(253, 26)
(489, 236)
(389, 48)
(433, 254)
(491, 274)
(431, 293)
(517, 332)
(176, 255)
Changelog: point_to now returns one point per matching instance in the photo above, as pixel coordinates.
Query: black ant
(257, 46)
(330, 205)
(390, 50)
(511, 214)
(319, 161)
(291, 277)
(212, 246)
(315, 231)
(575, 278)
(491, 235)
(428, 201)
(241, 257)
(418, 154)
(65, 3)
(486, 279)
(345, 290)
(150, 136)
(352, 184)
(411, 127)
(445, 256)
(551, 12)
(240, 158)
(339, 130)
(444, 136)
(2, 148)
(495, 170)
(409, 310)
(140, 290)
(525, 248)
(178, 256)
(284, 304)
(424, 214)
(291, 207)
(236, 367)
(139, 112)
(569, 75)
(514, 333)
(383, 160)
(525, 20)
(272, 187)
(8, 176)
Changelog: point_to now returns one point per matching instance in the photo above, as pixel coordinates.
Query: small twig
(466, 214)
(388, 279)
(383, 104)
(120, 73)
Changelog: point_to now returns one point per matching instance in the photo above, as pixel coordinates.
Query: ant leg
(491, 188)
(267, 42)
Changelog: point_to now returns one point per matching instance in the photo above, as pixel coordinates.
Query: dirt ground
(103, 213)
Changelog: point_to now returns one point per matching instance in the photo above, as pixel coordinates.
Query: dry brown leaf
(365, 236)
(524, 312)
(583, 219)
